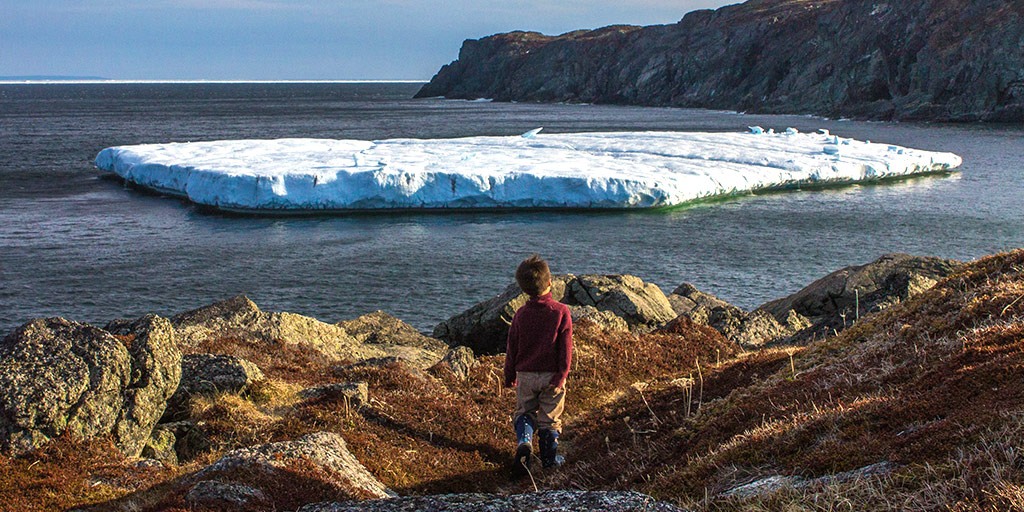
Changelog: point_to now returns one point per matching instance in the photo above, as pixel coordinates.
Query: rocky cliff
(941, 60)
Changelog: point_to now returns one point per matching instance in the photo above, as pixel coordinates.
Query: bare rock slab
(544, 501)
(324, 451)
(60, 376)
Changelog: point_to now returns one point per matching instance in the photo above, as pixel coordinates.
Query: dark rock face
(547, 501)
(833, 302)
(208, 374)
(942, 60)
(627, 299)
(57, 376)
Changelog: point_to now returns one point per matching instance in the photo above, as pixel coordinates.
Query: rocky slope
(918, 404)
(941, 60)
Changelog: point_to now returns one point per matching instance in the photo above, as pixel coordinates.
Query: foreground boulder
(546, 501)
(209, 374)
(484, 327)
(374, 335)
(59, 376)
(322, 456)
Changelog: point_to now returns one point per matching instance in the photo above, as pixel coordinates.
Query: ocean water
(77, 244)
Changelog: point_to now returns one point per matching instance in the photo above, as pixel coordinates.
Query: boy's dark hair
(533, 275)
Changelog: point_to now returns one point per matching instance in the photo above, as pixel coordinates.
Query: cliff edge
(937, 60)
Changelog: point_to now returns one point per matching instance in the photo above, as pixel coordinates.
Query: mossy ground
(934, 385)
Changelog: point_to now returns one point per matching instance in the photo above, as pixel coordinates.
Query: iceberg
(617, 170)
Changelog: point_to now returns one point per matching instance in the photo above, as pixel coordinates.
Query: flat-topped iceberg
(572, 170)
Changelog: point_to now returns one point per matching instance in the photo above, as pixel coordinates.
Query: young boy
(537, 363)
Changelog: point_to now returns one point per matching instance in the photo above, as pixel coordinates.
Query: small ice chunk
(894, 148)
(771, 131)
(823, 131)
(846, 142)
(532, 133)
(792, 131)
(756, 129)
(835, 139)
(831, 149)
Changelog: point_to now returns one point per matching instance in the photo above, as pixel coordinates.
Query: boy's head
(533, 275)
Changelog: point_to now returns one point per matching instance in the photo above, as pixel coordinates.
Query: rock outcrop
(324, 453)
(208, 374)
(59, 376)
(373, 335)
(546, 501)
(836, 300)
(942, 60)
(356, 393)
(822, 308)
(484, 327)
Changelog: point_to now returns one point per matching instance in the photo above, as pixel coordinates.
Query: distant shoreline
(116, 82)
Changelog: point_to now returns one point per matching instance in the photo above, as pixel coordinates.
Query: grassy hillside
(931, 387)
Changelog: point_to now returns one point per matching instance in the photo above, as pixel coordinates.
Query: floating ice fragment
(756, 129)
(576, 170)
(532, 133)
(792, 131)
(771, 131)
(823, 131)
(831, 149)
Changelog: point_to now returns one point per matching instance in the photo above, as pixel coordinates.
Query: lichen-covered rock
(484, 327)
(686, 299)
(396, 337)
(214, 495)
(604, 319)
(834, 301)
(209, 374)
(160, 446)
(460, 360)
(377, 335)
(57, 376)
(324, 451)
(628, 297)
(544, 501)
(357, 393)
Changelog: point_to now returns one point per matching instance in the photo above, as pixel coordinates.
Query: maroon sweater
(540, 340)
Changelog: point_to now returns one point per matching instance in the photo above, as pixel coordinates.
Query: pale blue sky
(284, 39)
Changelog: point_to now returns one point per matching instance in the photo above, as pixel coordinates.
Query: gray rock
(57, 376)
(375, 335)
(357, 393)
(832, 302)
(956, 60)
(775, 483)
(484, 327)
(460, 360)
(396, 337)
(160, 446)
(604, 319)
(207, 375)
(210, 494)
(325, 450)
(190, 438)
(750, 330)
(544, 501)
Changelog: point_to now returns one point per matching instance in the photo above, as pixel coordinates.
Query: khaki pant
(537, 397)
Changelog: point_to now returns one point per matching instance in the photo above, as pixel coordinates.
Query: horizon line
(113, 81)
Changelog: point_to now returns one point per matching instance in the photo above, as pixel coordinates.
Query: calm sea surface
(86, 248)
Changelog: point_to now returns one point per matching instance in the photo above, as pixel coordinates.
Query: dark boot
(549, 456)
(524, 438)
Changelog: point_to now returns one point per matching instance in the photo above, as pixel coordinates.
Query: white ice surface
(578, 170)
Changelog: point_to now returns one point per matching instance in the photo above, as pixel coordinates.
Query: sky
(284, 39)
